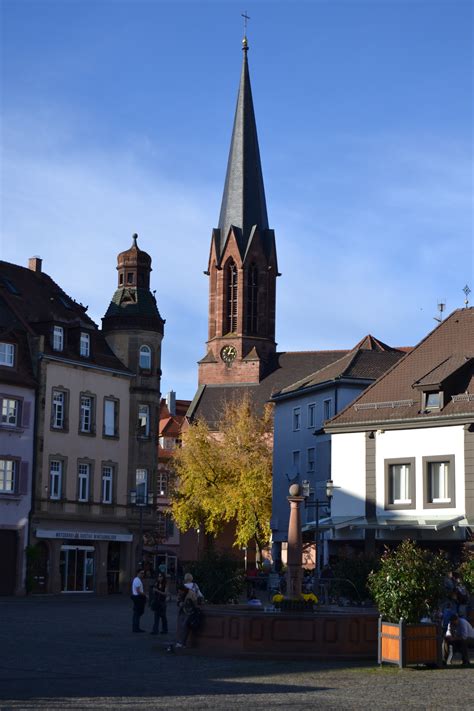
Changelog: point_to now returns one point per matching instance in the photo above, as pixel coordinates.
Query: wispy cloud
(366, 246)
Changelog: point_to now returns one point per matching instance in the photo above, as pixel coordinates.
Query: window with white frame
(86, 414)
(311, 460)
(312, 415)
(110, 417)
(7, 354)
(10, 412)
(84, 474)
(58, 420)
(296, 418)
(8, 475)
(85, 345)
(296, 462)
(327, 409)
(107, 483)
(141, 486)
(439, 482)
(163, 483)
(400, 483)
(143, 421)
(144, 359)
(55, 478)
(58, 338)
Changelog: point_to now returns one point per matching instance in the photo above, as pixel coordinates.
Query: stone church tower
(242, 265)
(133, 328)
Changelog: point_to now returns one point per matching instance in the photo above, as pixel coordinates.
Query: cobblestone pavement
(78, 652)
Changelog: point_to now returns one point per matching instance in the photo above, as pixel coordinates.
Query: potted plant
(304, 603)
(406, 589)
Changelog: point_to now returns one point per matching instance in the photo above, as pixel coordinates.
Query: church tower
(242, 266)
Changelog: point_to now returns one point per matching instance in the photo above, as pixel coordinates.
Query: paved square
(78, 652)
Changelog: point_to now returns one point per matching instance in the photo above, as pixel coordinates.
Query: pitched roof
(283, 369)
(443, 359)
(366, 361)
(41, 303)
(13, 330)
(243, 202)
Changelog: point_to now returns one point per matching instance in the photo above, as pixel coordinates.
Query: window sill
(86, 434)
(14, 496)
(109, 436)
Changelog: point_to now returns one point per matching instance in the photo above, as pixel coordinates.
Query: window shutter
(23, 479)
(25, 414)
(169, 527)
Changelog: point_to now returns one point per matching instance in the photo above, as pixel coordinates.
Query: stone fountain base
(325, 634)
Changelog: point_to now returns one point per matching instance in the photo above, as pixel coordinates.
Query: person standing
(158, 601)
(194, 587)
(138, 599)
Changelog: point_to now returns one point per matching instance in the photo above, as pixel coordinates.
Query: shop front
(86, 561)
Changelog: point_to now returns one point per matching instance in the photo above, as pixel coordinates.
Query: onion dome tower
(134, 329)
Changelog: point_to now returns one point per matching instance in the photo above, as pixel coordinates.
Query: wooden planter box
(401, 643)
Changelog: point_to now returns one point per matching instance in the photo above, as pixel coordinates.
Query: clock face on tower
(228, 354)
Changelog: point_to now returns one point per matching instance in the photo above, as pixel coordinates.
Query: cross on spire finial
(245, 44)
(467, 291)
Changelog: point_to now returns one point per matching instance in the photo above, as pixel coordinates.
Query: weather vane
(246, 19)
(467, 291)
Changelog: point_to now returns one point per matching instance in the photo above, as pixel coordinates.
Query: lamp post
(140, 500)
(318, 504)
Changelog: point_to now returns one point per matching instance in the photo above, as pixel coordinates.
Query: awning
(426, 523)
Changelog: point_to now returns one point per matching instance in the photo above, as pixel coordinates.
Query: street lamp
(318, 504)
(140, 500)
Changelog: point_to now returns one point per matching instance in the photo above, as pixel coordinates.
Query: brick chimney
(34, 263)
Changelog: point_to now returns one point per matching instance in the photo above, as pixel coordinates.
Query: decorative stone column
(294, 575)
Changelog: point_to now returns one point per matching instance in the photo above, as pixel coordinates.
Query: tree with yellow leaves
(226, 475)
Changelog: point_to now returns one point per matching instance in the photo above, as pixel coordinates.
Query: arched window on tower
(144, 359)
(231, 311)
(252, 299)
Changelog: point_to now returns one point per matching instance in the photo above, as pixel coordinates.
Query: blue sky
(117, 115)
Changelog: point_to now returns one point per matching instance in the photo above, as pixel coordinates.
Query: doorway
(77, 568)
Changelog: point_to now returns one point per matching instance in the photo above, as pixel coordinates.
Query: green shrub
(219, 577)
(409, 582)
(466, 569)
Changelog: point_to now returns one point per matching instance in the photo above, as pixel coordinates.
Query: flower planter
(403, 644)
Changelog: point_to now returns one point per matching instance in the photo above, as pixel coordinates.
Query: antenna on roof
(467, 291)
(441, 308)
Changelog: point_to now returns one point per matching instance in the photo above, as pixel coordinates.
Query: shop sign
(84, 535)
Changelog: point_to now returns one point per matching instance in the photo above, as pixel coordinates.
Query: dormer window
(58, 338)
(85, 346)
(433, 400)
(7, 354)
(144, 359)
(130, 278)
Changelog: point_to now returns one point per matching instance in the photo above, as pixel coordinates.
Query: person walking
(139, 599)
(187, 606)
(159, 597)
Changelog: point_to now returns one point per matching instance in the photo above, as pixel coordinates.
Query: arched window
(144, 360)
(231, 298)
(252, 299)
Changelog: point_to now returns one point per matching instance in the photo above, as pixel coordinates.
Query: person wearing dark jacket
(159, 596)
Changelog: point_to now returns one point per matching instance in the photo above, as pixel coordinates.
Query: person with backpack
(189, 614)
(191, 585)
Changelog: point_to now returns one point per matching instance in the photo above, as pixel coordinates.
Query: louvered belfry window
(252, 299)
(231, 298)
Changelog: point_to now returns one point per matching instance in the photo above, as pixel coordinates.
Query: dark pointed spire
(243, 202)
